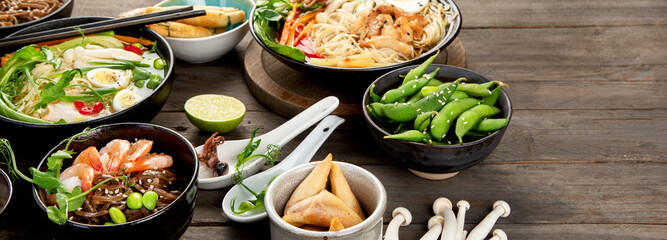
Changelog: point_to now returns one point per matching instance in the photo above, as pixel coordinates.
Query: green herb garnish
(245, 155)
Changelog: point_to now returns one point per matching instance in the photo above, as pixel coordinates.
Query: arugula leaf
(270, 14)
(55, 162)
(265, 32)
(73, 202)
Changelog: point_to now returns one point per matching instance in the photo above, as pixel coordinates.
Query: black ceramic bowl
(361, 73)
(5, 190)
(435, 161)
(22, 134)
(63, 12)
(168, 223)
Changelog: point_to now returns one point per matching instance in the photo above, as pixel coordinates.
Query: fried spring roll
(314, 183)
(179, 30)
(211, 19)
(336, 225)
(341, 189)
(320, 210)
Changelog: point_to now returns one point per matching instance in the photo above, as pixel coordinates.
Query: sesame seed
(449, 91)
(143, 191)
(149, 180)
(451, 113)
(456, 100)
(465, 122)
(414, 86)
(462, 118)
(124, 195)
(418, 109)
(443, 135)
(432, 126)
(402, 91)
(71, 217)
(447, 120)
(479, 103)
(384, 97)
(106, 191)
(449, 142)
(140, 182)
(79, 209)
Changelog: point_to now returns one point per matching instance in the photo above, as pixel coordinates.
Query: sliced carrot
(288, 27)
(129, 39)
(4, 59)
(303, 33)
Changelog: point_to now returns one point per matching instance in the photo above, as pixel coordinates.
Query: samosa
(320, 210)
(314, 183)
(341, 189)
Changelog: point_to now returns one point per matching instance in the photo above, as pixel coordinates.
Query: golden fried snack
(179, 30)
(341, 189)
(132, 13)
(314, 183)
(336, 225)
(235, 15)
(320, 210)
(211, 19)
(313, 228)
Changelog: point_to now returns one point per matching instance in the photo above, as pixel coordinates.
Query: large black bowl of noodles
(450, 14)
(169, 222)
(23, 134)
(19, 14)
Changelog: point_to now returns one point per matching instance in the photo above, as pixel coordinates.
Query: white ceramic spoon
(280, 136)
(302, 154)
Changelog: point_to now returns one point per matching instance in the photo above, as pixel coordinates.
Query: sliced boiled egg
(125, 98)
(410, 6)
(107, 78)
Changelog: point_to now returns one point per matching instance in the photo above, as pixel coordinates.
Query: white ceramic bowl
(206, 49)
(366, 187)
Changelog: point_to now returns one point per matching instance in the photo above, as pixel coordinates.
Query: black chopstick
(106, 25)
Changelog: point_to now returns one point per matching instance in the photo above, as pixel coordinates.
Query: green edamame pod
(377, 109)
(401, 127)
(423, 120)
(407, 89)
(476, 134)
(149, 199)
(134, 201)
(441, 123)
(474, 89)
(140, 74)
(154, 82)
(374, 97)
(458, 95)
(490, 125)
(403, 112)
(493, 98)
(425, 91)
(381, 120)
(419, 71)
(434, 82)
(469, 118)
(415, 97)
(410, 135)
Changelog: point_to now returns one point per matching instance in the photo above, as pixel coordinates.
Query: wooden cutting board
(287, 91)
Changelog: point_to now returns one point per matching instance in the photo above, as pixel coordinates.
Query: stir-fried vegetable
(243, 157)
(67, 201)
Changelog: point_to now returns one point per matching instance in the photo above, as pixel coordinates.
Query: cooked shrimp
(117, 150)
(83, 171)
(91, 157)
(150, 161)
(139, 149)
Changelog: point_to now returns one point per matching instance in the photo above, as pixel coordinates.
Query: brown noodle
(95, 209)
(14, 12)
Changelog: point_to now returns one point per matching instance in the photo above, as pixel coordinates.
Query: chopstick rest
(402, 217)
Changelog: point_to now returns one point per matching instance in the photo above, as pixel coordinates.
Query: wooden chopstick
(106, 25)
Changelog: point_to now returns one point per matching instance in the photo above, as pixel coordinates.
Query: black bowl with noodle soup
(359, 73)
(15, 13)
(22, 133)
(169, 222)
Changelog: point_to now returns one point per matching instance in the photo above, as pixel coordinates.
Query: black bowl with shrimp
(357, 38)
(138, 89)
(17, 14)
(114, 162)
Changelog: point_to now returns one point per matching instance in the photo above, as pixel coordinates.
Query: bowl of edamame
(436, 120)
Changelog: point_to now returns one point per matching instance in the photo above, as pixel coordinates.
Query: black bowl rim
(38, 21)
(191, 183)
(452, 146)
(443, 43)
(100, 119)
(9, 187)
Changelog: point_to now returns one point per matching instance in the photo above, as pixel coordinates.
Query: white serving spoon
(280, 136)
(302, 154)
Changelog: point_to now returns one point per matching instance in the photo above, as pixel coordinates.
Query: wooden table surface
(583, 158)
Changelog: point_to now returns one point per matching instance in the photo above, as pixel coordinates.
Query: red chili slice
(86, 110)
(78, 104)
(98, 107)
(133, 49)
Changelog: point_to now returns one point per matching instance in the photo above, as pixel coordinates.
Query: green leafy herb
(245, 155)
(67, 201)
(272, 12)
